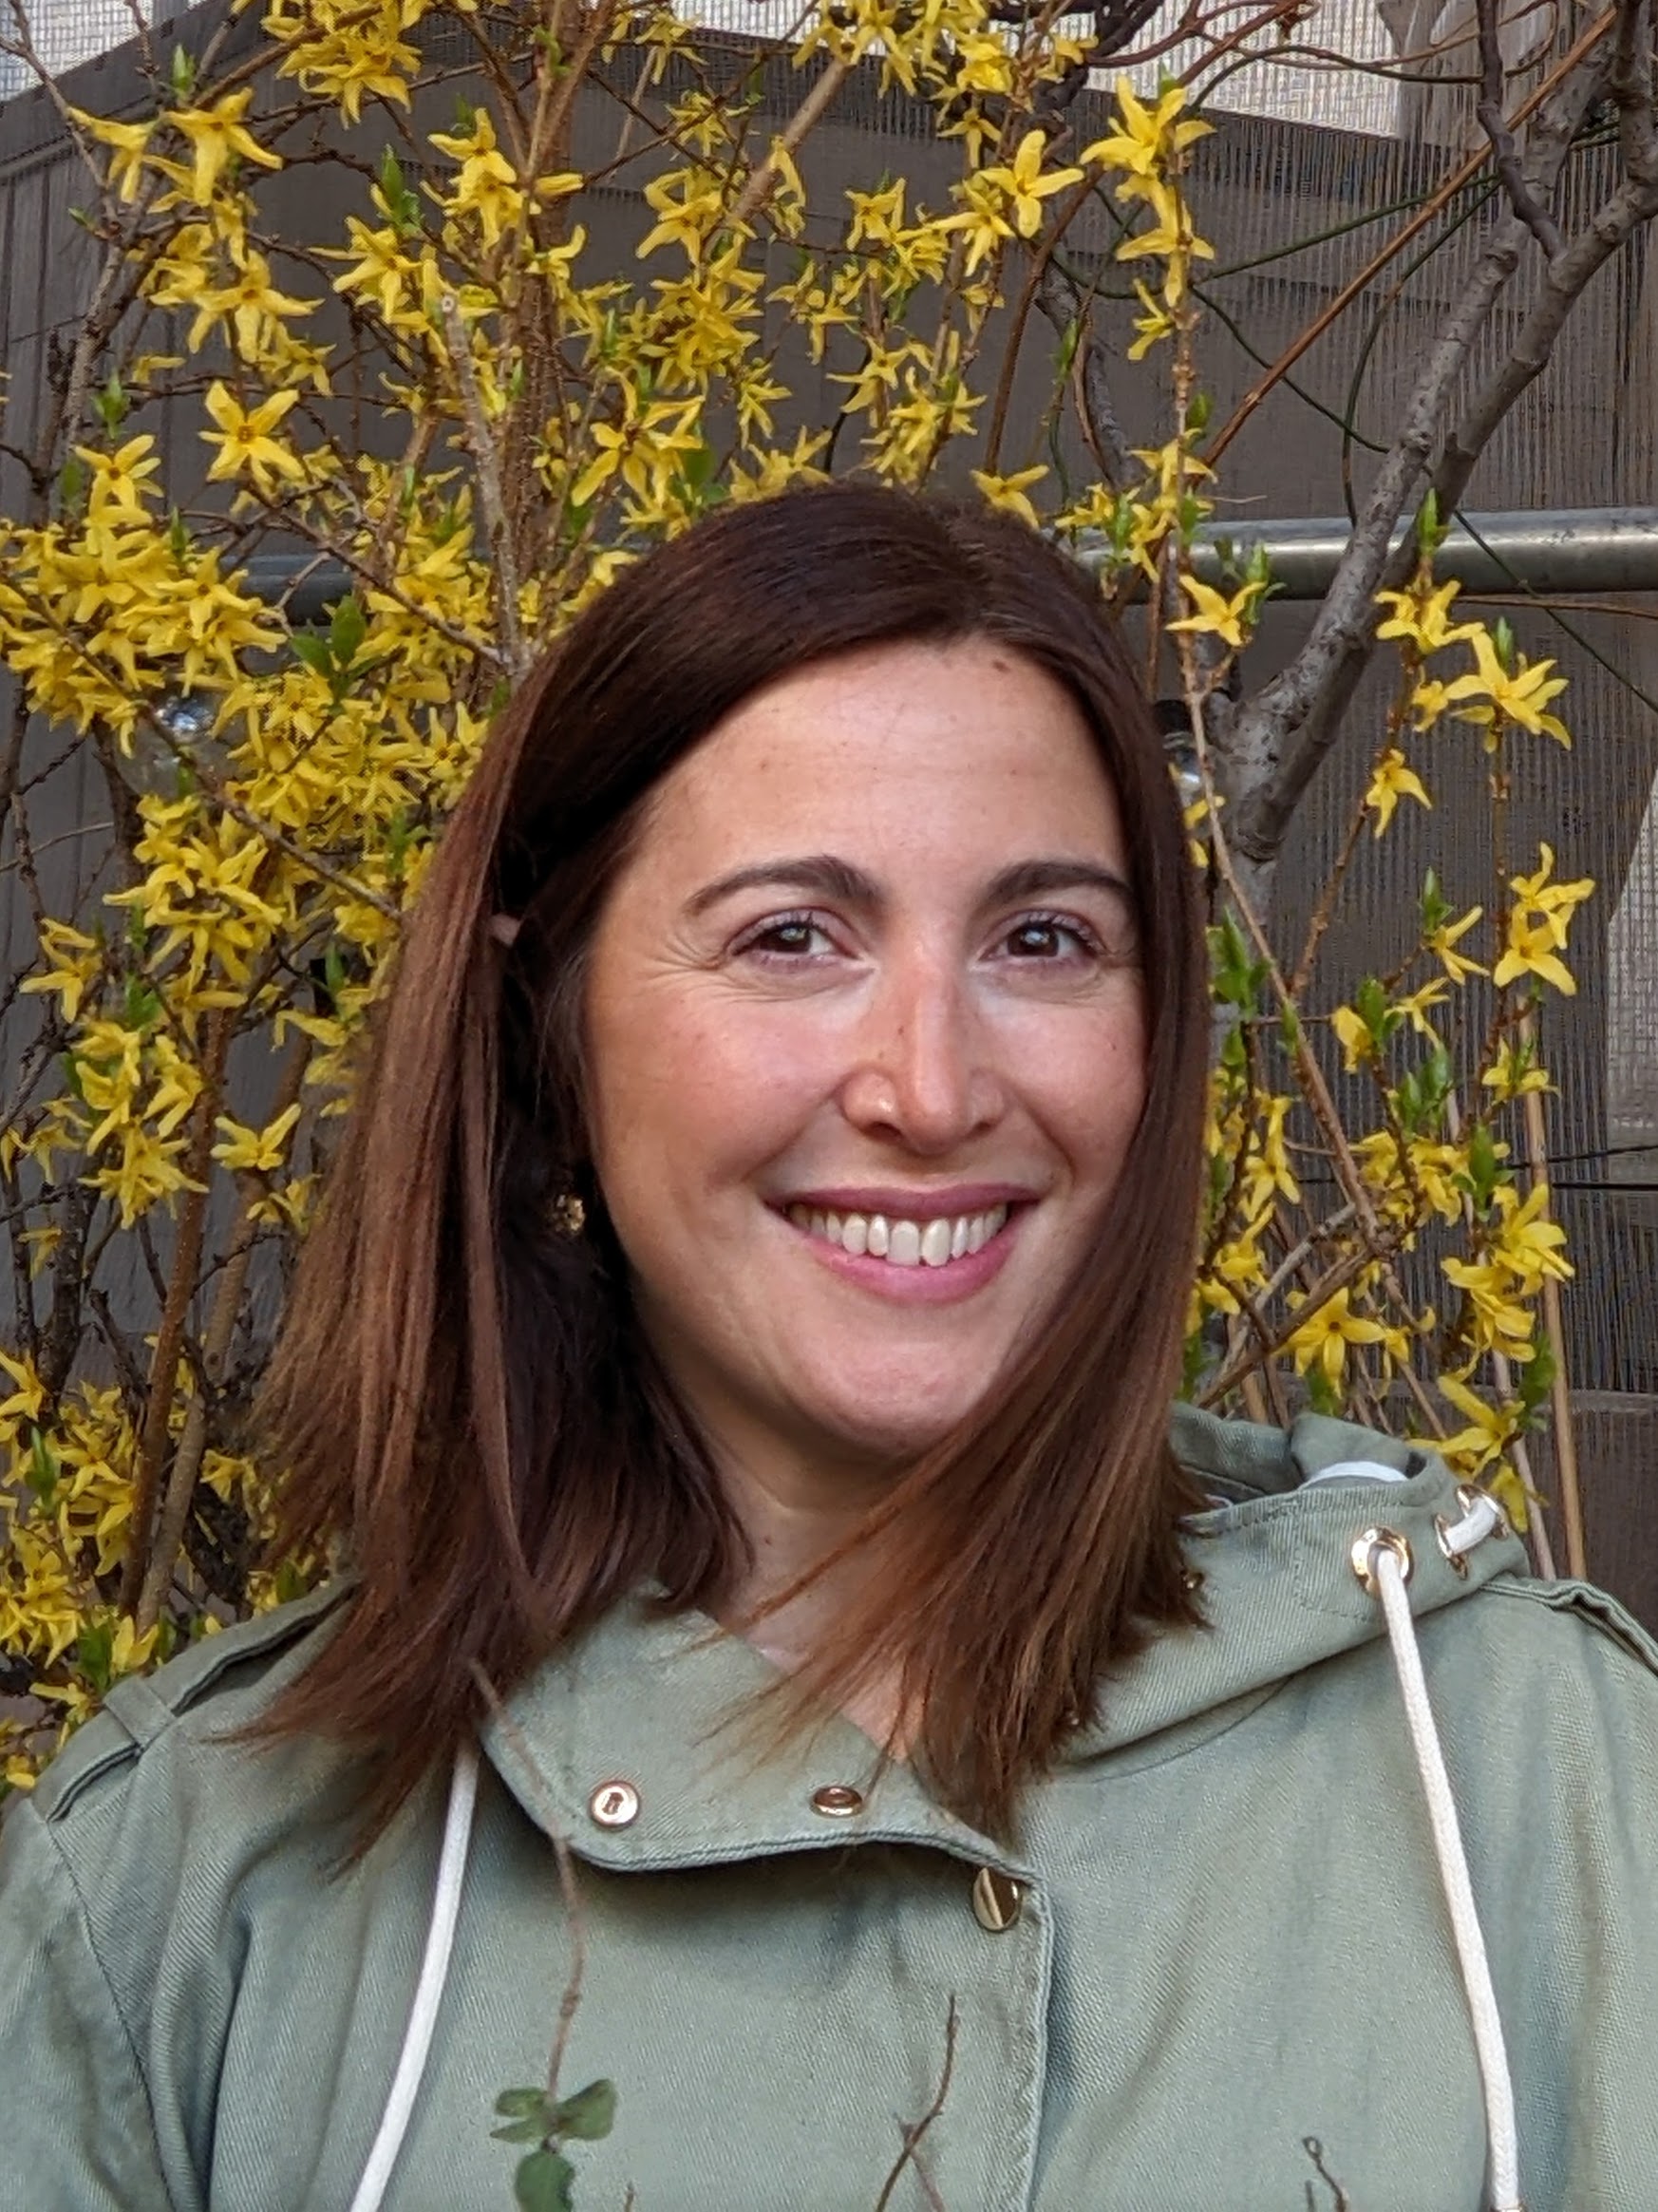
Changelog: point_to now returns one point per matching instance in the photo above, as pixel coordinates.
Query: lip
(909, 1205)
(918, 1286)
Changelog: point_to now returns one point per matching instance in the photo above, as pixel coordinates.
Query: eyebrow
(825, 876)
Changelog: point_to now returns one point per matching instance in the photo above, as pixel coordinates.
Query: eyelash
(753, 939)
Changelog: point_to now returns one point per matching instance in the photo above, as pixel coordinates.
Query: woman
(734, 1363)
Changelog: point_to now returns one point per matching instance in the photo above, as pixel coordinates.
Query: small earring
(567, 1216)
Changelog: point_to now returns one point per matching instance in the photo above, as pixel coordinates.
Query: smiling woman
(732, 1373)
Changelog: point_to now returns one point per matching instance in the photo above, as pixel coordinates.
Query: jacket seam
(1570, 1600)
(85, 1917)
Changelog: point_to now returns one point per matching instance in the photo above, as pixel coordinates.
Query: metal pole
(1545, 549)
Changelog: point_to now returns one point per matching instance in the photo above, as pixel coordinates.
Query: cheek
(692, 1093)
(1087, 1082)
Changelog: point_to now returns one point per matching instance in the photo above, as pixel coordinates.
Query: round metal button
(837, 1801)
(614, 1804)
(998, 1899)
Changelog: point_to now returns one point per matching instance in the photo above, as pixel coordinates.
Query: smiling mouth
(901, 1242)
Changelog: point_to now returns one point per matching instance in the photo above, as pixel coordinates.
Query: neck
(795, 1515)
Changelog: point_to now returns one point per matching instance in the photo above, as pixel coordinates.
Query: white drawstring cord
(1389, 1571)
(423, 2018)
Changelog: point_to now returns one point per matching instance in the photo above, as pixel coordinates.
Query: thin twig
(534, 1781)
(914, 2133)
(170, 1335)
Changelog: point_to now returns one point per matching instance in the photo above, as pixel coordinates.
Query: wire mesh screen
(64, 33)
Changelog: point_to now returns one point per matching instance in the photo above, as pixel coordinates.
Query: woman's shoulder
(1561, 1651)
(172, 1749)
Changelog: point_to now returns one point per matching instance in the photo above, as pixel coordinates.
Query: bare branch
(1265, 773)
(1505, 152)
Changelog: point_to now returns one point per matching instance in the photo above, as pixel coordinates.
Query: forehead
(967, 751)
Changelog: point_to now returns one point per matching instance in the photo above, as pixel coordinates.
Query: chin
(889, 1430)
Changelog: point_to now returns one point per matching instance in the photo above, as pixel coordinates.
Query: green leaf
(183, 75)
(1321, 1394)
(522, 2131)
(590, 2115)
(112, 404)
(315, 651)
(544, 2180)
(523, 2104)
(1436, 907)
(1537, 1378)
(40, 1474)
(1484, 1169)
(347, 627)
(1430, 531)
(1198, 412)
(95, 1653)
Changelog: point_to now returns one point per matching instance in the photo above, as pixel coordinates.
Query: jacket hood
(1279, 1589)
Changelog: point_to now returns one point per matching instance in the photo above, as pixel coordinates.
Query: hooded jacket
(1219, 1971)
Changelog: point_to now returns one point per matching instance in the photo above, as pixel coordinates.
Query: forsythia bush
(538, 418)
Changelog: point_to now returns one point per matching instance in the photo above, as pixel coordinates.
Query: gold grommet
(837, 1801)
(1363, 1556)
(614, 1804)
(998, 1899)
(1467, 1498)
(1456, 1561)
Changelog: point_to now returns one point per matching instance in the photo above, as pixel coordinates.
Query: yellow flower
(487, 186)
(245, 443)
(1009, 491)
(1532, 950)
(1529, 1244)
(1152, 326)
(1393, 780)
(1218, 615)
(1353, 1034)
(248, 1151)
(217, 134)
(1147, 141)
(1326, 1335)
(1491, 1428)
(1519, 698)
(1444, 940)
(1421, 617)
(1007, 199)
(1500, 1324)
(1537, 926)
(130, 143)
(1514, 1074)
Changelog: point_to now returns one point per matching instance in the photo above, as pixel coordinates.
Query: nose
(924, 1075)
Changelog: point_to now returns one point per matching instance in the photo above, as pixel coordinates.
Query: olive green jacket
(1219, 1962)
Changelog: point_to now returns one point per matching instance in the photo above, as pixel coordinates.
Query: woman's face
(867, 1047)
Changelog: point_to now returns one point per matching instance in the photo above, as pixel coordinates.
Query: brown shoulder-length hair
(462, 1397)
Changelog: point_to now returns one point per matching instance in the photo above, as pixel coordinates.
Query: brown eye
(1050, 936)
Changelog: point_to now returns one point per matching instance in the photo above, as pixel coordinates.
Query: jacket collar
(659, 1702)
(664, 1704)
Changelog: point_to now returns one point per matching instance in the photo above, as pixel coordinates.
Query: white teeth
(934, 1243)
(902, 1243)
